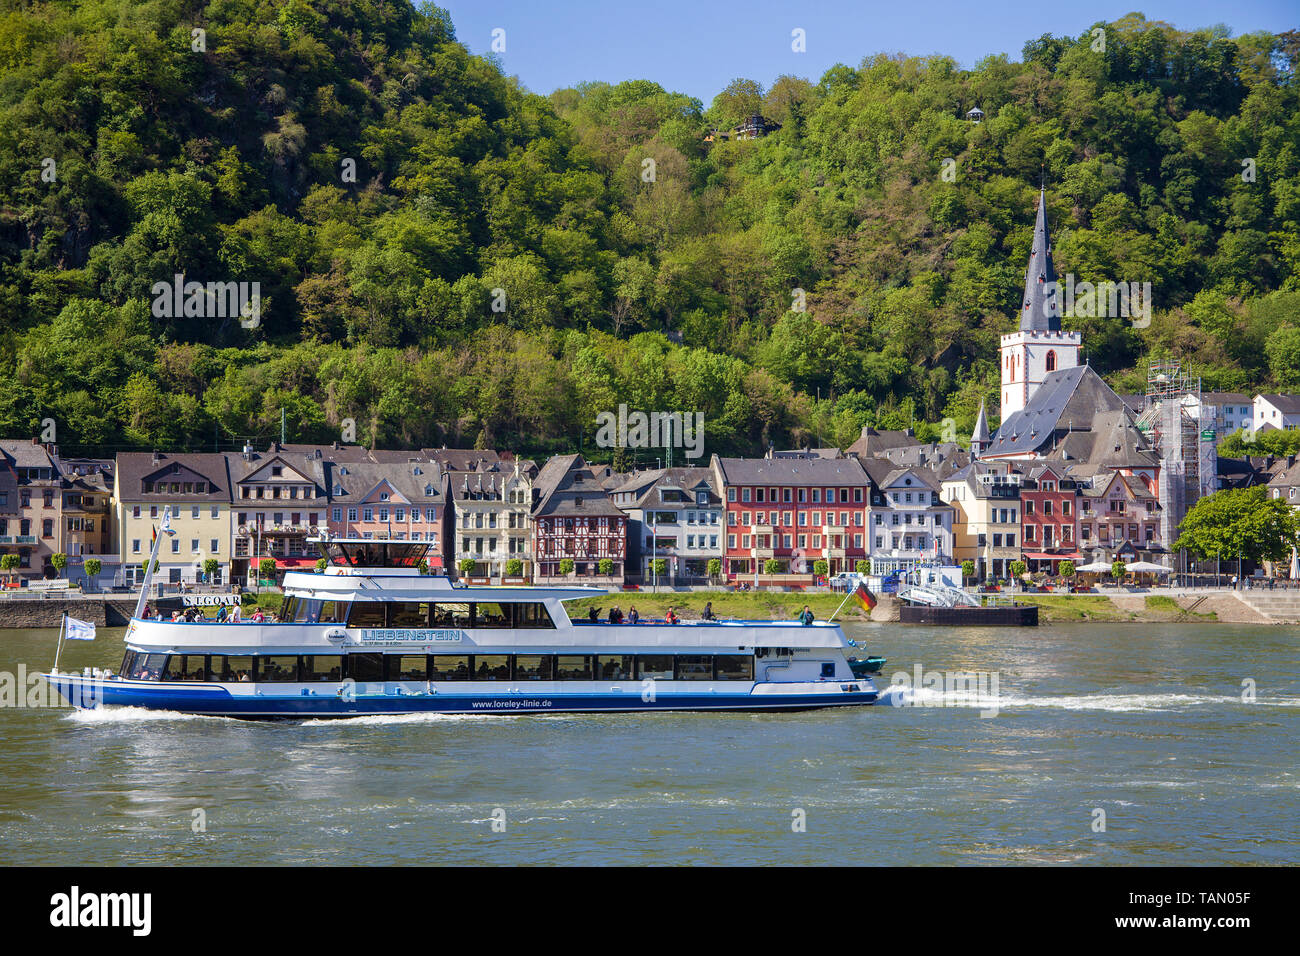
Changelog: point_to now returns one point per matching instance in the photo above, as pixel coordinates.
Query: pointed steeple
(1041, 309)
(980, 439)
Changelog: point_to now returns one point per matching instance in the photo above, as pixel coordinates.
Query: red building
(795, 511)
(1049, 512)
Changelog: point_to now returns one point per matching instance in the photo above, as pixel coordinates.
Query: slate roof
(352, 482)
(1286, 404)
(133, 467)
(871, 441)
(1040, 309)
(25, 453)
(981, 433)
(1068, 399)
(566, 485)
(646, 487)
(792, 471)
(461, 459)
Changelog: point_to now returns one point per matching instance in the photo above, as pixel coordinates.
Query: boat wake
(898, 695)
(127, 715)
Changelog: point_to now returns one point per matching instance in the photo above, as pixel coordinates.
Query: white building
(675, 515)
(1276, 411)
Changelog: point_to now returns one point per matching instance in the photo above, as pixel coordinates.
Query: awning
(295, 562)
(1045, 556)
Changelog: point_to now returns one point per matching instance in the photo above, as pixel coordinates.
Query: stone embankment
(97, 609)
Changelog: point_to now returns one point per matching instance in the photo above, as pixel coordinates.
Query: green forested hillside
(231, 162)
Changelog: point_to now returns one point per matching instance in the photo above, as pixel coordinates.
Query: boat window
(289, 607)
(407, 667)
(365, 667)
(409, 614)
(366, 614)
(534, 667)
(694, 667)
(449, 667)
(532, 614)
(450, 615)
(149, 666)
(573, 667)
(189, 667)
(734, 666)
(618, 667)
(491, 614)
(322, 667)
(314, 611)
(491, 666)
(657, 666)
(279, 669)
(128, 663)
(235, 669)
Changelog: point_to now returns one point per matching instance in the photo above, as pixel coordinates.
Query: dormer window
(383, 496)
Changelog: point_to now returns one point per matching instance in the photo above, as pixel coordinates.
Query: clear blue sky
(698, 46)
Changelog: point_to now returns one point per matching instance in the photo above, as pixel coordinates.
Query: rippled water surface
(1146, 723)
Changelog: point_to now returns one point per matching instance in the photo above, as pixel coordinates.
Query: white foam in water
(379, 720)
(907, 696)
(123, 715)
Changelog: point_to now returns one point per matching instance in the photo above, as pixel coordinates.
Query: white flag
(80, 630)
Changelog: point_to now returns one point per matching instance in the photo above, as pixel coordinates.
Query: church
(1060, 418)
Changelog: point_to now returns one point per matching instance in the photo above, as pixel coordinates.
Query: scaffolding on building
(1171, 421)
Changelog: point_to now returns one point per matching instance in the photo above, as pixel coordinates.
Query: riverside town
(522, 433)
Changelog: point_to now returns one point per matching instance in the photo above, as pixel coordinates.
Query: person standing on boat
(670, 617)
(632, 616)
(806, 617)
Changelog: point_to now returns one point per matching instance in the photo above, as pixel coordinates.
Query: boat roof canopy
(368, 553)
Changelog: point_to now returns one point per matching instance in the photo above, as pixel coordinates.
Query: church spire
(980, 439)
(1041, 309)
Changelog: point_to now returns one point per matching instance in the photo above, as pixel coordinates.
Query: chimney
(248, 451)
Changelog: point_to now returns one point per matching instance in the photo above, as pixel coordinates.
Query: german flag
(865, 597)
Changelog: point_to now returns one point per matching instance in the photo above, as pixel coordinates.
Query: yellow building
(197, 487)
(986, 527)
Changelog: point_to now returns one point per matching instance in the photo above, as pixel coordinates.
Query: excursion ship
(371, 634)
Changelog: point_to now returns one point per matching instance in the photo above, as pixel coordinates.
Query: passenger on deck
(708, 611)
(670, 617)
(593, 615)
(632, 616)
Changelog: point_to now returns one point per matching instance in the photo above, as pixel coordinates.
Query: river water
(1111, 744)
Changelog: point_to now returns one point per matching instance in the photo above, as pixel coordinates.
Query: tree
(1240, 523)
(466, 566)
(967, 569)
(659, 567)
(266, 569)
(60, 561)
(321, 563)
(715, 568)
(92, 567)
(9, 563)
(566, 566)
(210, 567)
(821, 568)
(1118, 569)
(1066, 569)
(771, 566)
(605, 566)
(514, 568)
(144, 566)
(1017, 568)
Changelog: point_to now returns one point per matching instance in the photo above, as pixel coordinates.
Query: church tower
(1038, 347)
